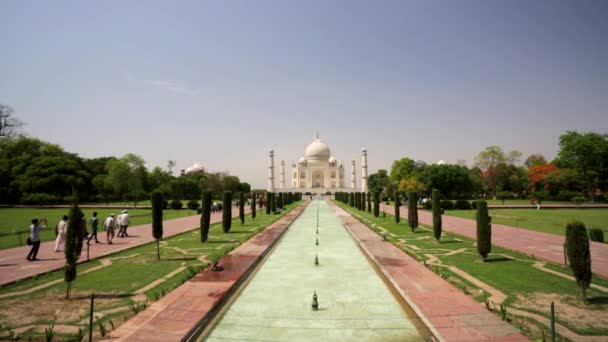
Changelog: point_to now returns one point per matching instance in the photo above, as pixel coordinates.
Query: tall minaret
(271, 171)
(353, 180)
(364, 170)
(282, 179)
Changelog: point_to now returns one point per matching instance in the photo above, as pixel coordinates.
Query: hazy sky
(224, 81)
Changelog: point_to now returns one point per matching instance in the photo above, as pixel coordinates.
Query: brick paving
(14, 266)
(541, 245)
(172, 317)
(450, 314)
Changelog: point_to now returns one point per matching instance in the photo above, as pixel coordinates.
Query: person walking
(109, 224)
(62, 228)
(35, 229)
(84, 233)
(123, 221)
(94, 223)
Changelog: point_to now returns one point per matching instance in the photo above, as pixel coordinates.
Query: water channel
(355, 303)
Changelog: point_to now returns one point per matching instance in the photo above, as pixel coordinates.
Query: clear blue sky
(224, 81)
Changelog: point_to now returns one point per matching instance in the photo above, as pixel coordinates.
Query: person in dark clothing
(94, 223)
(35, 229)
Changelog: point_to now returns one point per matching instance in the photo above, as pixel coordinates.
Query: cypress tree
(206, 215)
(369, 202)
(242, 207)
(227, 211)
(363, 201)
(376, 204)
(351, 199)
(273, 202)
(397, 205)
(268, 203)
(412, 210)
(579, 258)
(73, 243)
(484, 230)
(436, 203)
(280, 200)
(253, 202)
(157, 220)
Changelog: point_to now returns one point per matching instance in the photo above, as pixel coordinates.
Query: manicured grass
(123, 280)
(19, 219)
(511, 273)
(547, 221)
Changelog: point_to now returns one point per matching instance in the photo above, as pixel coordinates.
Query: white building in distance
(317, 171)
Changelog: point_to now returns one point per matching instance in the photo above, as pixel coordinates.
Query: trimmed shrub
(253, 201)
(363, 201)
(376, 204)
(474, 204)
(567, 195)
(193, 205)
(428, 205)
(436, 214)
(504, 195)
(206, 215)
(176, 204)
(369, 202)
(447, 205)
(157, 219)
(165, 204)
(38, 198)
(579, 258)
(397, 205)
(351, 199)
(578, 200)
(484, 230)
(268, 202)
(242, 207)
(73, 244)
(462, 204)
(596, 234)
(227, 211)
(412, 210)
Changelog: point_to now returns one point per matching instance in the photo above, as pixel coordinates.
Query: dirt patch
(20, 312)
(567, 308)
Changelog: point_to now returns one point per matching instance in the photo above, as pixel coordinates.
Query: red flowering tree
(538, 172)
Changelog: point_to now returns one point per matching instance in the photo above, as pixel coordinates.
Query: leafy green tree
(402, 168)
(579, 257)
(206, 215)
(535, 159)
(488, 159)
(227, 211)
(437, 223)
(244, 188)
(157, 219)
(484, 230)
(587, 154)
(379, 181)
(451, 180)
(231, 183)
(73, 243)
(242, 207)
(397, 206)
(10, 125)
(412, 210)
(376, 204)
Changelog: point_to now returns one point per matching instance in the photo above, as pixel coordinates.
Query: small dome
(332, 159)
(441, 162)
(302, 160)
(317, 150)
(196, 167)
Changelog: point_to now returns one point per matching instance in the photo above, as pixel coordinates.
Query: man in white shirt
(108, 225)
(62, 228)
(123, 222)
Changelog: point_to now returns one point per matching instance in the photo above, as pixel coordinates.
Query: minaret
(271, 171)
(282, 179)
(364, 170)
(353, 180)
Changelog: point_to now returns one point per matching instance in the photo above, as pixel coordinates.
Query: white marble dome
(317, 150)
(196, 167)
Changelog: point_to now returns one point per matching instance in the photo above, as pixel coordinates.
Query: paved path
(446, 310)
(14, 266)
(196, 301)
(541, 245)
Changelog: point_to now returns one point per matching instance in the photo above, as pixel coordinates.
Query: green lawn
(13, 220)
(548, 220)
(511, 273)
(121, 283)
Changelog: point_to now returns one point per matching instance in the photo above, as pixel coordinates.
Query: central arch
(318, 179)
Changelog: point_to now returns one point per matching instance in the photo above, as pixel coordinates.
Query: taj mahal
(317, 171)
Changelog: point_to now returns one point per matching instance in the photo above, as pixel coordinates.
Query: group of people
(121, 222)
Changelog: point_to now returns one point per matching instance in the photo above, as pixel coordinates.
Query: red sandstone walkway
(13, 265)
(541, 245)
(450, 314)
(172, 317)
